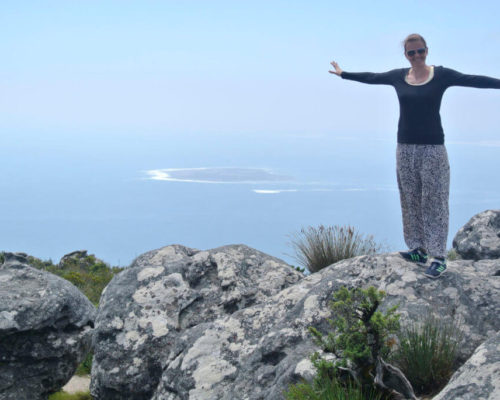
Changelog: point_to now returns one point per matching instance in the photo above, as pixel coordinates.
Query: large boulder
(165, 292)
(480, 237)
(479, 377)
(255, 353)
(45, 330)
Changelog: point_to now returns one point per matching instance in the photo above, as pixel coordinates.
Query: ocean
(119, 195)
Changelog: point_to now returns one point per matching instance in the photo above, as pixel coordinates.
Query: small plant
(452, 255)
(360, 338)
(360, 333)
(428, 352)
(317, 248)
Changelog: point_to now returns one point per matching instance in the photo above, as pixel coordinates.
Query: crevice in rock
(185, 315)
(273, 357)
(231, 307)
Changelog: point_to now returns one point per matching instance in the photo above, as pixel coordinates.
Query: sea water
(118, 196)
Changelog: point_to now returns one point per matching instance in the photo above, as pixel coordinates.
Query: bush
(428, 352)
(317, 248)
(360, 335)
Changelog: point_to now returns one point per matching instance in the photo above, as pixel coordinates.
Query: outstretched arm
(456, 78)
(384, 78)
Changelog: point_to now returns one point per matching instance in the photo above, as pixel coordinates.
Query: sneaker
(436, 269)
(417, 255)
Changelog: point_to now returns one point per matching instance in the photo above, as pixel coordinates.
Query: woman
(423, 172)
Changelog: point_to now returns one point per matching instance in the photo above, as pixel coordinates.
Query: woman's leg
(435, 178)
(408, 163)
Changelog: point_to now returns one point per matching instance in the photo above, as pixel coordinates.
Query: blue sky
(93, 94)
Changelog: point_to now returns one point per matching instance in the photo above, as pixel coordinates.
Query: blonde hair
(413, 38)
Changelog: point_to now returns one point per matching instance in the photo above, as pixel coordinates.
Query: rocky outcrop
(148, 307)
(80, 258)
(45, 330)
(232, 323)
(480, 238)
(479, 377)
(255, 353)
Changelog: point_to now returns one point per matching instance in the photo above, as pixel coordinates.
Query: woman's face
(416, 58)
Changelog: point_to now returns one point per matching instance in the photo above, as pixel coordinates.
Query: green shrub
(67, 396)
(360, 332)
(427, 353)
(360, 335)
(317, 248)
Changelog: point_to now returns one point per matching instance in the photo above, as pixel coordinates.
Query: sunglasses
(411, 53)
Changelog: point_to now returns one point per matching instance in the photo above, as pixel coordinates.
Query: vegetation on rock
(428, 352)
(425, 350)
(88, 274)
(360, 336)
(317, 248)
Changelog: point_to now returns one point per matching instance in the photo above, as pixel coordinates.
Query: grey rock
(45, 330)
(80, 258)
(256, 352)
(479, 377)
(480, 237)
(165, 292)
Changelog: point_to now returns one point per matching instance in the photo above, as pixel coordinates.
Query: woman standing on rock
(423, 172)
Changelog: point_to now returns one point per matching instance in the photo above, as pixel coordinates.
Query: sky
(141, 86)
(169, 67)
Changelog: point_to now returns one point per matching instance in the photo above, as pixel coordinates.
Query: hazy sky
(172, 67)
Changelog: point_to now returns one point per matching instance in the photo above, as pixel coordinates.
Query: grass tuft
(317, 248)
(427, 353)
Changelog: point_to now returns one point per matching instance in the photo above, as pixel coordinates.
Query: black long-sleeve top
(419, 119)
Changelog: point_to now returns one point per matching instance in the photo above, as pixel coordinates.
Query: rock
(479, 238)
(149, 306)
(45, 330)
(479, 377)
(256, 352)
(80, 258)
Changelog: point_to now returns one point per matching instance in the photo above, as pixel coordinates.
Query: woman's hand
(337, 71)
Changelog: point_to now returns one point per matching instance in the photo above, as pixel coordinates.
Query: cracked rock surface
(255, 353)
(164, 293)
(205, 327)
(45, 330)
